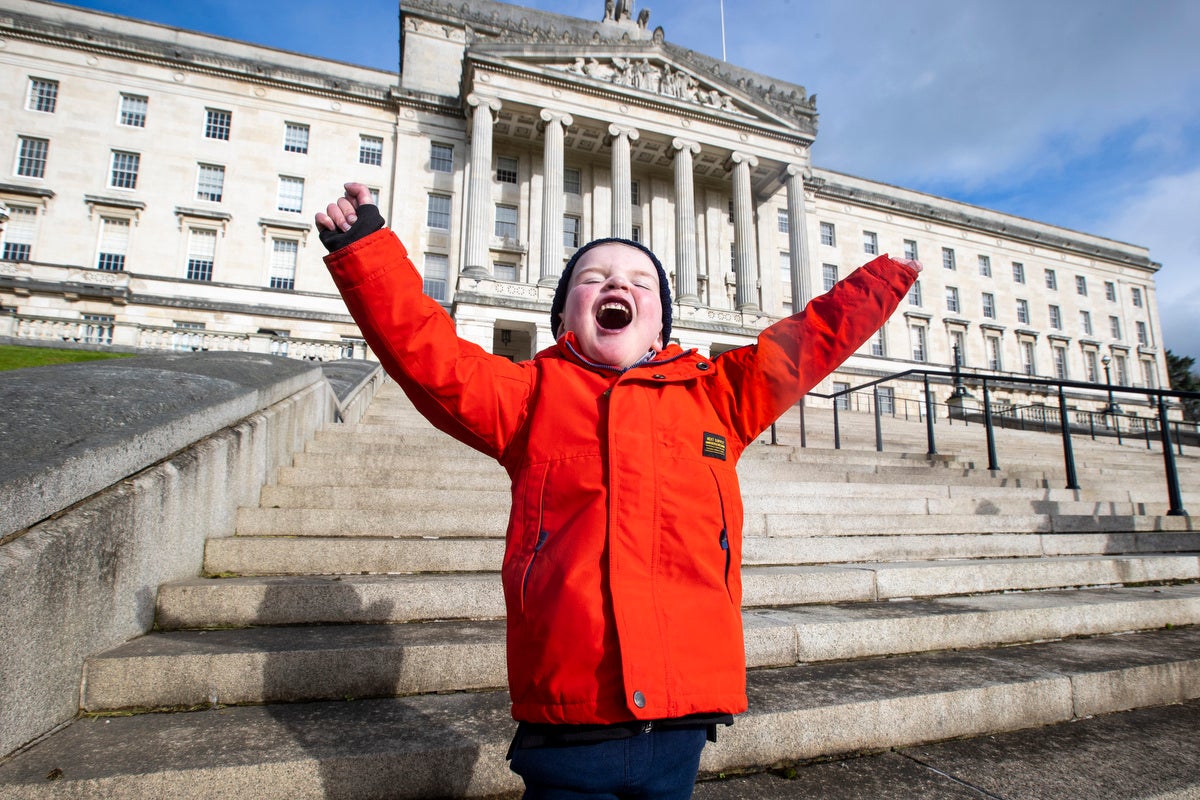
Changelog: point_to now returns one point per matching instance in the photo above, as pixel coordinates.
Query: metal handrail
(1053, 388)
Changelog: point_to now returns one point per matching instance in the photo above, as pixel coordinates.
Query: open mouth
(613, 315)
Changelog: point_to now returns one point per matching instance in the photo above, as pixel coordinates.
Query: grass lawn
(16, 357)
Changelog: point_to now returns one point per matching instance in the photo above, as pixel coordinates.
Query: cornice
(172, 54)
(1014, 230)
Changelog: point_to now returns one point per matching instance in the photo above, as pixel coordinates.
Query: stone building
(162, 184)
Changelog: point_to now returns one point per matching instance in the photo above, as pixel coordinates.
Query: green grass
(16, 357)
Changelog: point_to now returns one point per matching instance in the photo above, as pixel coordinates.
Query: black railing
(1051, 416)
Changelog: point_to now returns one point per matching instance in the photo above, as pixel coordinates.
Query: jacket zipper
(537, 548)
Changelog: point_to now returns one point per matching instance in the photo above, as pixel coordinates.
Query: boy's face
(614, 306)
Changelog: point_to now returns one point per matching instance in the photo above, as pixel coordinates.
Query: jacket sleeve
(476, 397)
(795, 354)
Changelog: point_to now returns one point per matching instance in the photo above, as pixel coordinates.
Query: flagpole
(723, 58)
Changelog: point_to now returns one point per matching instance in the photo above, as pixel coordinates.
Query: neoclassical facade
(162, 185)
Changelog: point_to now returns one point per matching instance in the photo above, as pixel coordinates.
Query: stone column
(798, 237)
(745, 250)
(685, 222)
(552, 195)
(479, 189)
(622, 213)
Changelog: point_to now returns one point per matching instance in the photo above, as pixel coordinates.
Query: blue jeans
(660, 764)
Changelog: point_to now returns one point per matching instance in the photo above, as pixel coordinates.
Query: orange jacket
(621, 569)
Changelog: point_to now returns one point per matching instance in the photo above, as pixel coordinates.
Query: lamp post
(1112, 407)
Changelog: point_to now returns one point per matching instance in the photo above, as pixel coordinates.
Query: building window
(635, 193)
(952, 299)
(295, 137)
(1119, 363)
(31, 157)
(202, 252)
(43, 95)
(133, 110)
(1060, 362)
(504, 271)
(572, 182)
(441, 157)
(1114, 324)
(284, 253)
(1081, 285)
(919, 352)
(958, 348)
(842, 401)
(1055, 318)
(124, 173)
(948, 258)
(1110, 291)
(19, 233)
(785, 274)
(1148, 374)
(1051, 280)
(1018, 272)
(570, 231)
(989, 305)
(887, 399)
(114, 241)
(879, 344)
(829, 275)
(781, 221)
(1089, 364)
(1023, 312)
(1137, 297)
(437, 276)
(828, 234)
(98, 328)
(1143, 337)
(914, 294)
(1085, 322)
(870, 243)
(217, 124)
(506, 169)
(910, 250)
(437, 213)
(370, 150)
(291, 194)
(995, 362)
(1028, 366)
(506, 222)
(985, 266)
(635, 234)
(210, 183)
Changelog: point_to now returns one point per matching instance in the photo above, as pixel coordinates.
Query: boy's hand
(348, 219)
(912, 262)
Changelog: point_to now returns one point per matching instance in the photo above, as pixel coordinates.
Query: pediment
(651, 72)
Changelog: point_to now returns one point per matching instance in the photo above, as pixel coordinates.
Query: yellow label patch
(714, 446)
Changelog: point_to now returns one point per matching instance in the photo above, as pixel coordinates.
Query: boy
(622, 563)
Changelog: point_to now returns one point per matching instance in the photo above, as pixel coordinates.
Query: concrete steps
(350, 643)
(453, 744)
(189, 668)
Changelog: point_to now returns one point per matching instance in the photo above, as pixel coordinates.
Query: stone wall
(114, 475)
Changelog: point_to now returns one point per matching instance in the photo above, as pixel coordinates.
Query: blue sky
(1080, 113)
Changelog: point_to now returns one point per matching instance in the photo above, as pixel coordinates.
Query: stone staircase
(349, 641)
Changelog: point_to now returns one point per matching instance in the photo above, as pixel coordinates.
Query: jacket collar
(672, 355)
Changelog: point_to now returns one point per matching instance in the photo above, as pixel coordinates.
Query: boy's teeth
(614, 315)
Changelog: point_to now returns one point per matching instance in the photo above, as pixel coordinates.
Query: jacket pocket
(723, 538)
(537, 548)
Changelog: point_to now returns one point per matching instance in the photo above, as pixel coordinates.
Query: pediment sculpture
(646, 76)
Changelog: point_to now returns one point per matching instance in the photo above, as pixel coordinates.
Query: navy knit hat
(664, 285)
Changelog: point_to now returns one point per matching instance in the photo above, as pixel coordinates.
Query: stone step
(776, 517)
(311, 599)
(454, 744)
(313, 555)
(289, 664)
(799, 498)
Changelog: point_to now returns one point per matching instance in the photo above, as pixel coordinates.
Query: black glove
(369, 220)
